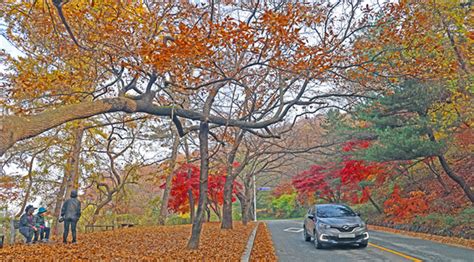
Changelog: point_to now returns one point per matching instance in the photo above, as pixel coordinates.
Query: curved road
(289, 245)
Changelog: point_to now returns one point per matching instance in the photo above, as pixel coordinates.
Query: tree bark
(227, 206)
(447, 169)
(203, 186)
(169, 180)
(229, 182)
(190, 191)
(243, 208)
(30, 185)
(459, 180)
(16, 128)
(73, 178)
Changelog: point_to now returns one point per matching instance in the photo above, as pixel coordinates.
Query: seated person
(41, 225)
(28, 224)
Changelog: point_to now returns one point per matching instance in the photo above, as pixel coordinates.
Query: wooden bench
(91, 228)
(123, 225)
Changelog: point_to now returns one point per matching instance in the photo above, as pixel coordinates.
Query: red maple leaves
(187, 178)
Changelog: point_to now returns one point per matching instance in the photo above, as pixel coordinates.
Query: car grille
(345, 228)
(345, 239)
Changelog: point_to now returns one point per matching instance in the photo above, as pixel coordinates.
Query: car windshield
(334, 211)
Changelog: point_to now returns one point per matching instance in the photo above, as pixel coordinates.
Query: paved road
(290, 246)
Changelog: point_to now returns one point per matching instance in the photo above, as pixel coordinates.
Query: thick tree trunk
(243, 208)
(16, 128)
(71, 171)
(169, 180)
(227, 206)
(203, 183)
(229, 183)
(73, 178)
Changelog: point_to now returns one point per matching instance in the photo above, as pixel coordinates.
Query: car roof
(325, 205)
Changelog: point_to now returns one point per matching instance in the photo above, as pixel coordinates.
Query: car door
(310, 220)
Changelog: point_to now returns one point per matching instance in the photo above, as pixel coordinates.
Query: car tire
(306, 237)
(364, 244)
(317, 244)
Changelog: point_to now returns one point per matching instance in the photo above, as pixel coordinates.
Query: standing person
(28, 224)
(70, 213)
(41, 225)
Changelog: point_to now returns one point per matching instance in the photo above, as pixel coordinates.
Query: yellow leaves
(140, 243)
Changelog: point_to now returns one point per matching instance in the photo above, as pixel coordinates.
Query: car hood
(340, 221)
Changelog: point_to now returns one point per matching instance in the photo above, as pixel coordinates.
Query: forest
(184, 113)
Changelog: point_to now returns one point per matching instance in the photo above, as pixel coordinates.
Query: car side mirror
(358, 214)
(310, 216)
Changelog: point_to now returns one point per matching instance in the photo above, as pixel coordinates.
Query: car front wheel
(317, 245)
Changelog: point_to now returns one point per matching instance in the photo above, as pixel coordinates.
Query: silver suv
(331, 224)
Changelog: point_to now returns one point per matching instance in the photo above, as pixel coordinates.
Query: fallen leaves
(263, 246)
(141, 243)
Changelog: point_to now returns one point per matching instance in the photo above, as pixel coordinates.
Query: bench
(91, 228)
(124, 225)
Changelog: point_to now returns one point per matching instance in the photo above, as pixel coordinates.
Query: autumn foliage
(186, 177)
(144, 244)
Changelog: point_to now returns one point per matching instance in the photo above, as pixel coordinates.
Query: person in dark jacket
(41, 225)
(28, 224)
(70, 213)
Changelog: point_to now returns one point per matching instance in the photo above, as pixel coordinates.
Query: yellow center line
(396, 253)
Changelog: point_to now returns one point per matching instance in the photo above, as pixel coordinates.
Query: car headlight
(324, 226)
(363, 225)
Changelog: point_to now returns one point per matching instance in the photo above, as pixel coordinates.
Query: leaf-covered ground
(263, 249)
(140, 243)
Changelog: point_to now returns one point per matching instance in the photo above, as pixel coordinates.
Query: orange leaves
(263, 249)
(401, 209)
(147, 243)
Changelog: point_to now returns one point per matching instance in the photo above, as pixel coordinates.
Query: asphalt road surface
(290, 246)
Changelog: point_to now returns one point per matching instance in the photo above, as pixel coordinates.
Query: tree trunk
(243, 208)
(169, 180)
(72, 167)
(459, 180)
(375, 204)
(190, 191)
(438, 177)
(229, 182)
(58, 204)
(73, 178)
(30, 184)
(227, 206)
(99, 208)
(203, 183)
(447, 169)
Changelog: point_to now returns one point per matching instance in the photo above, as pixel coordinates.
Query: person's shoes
(45, 240)
(74, 242)
(64, 242)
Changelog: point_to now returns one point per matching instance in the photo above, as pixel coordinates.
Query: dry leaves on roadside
(263, 249)
(442, 239)
(140, 243)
